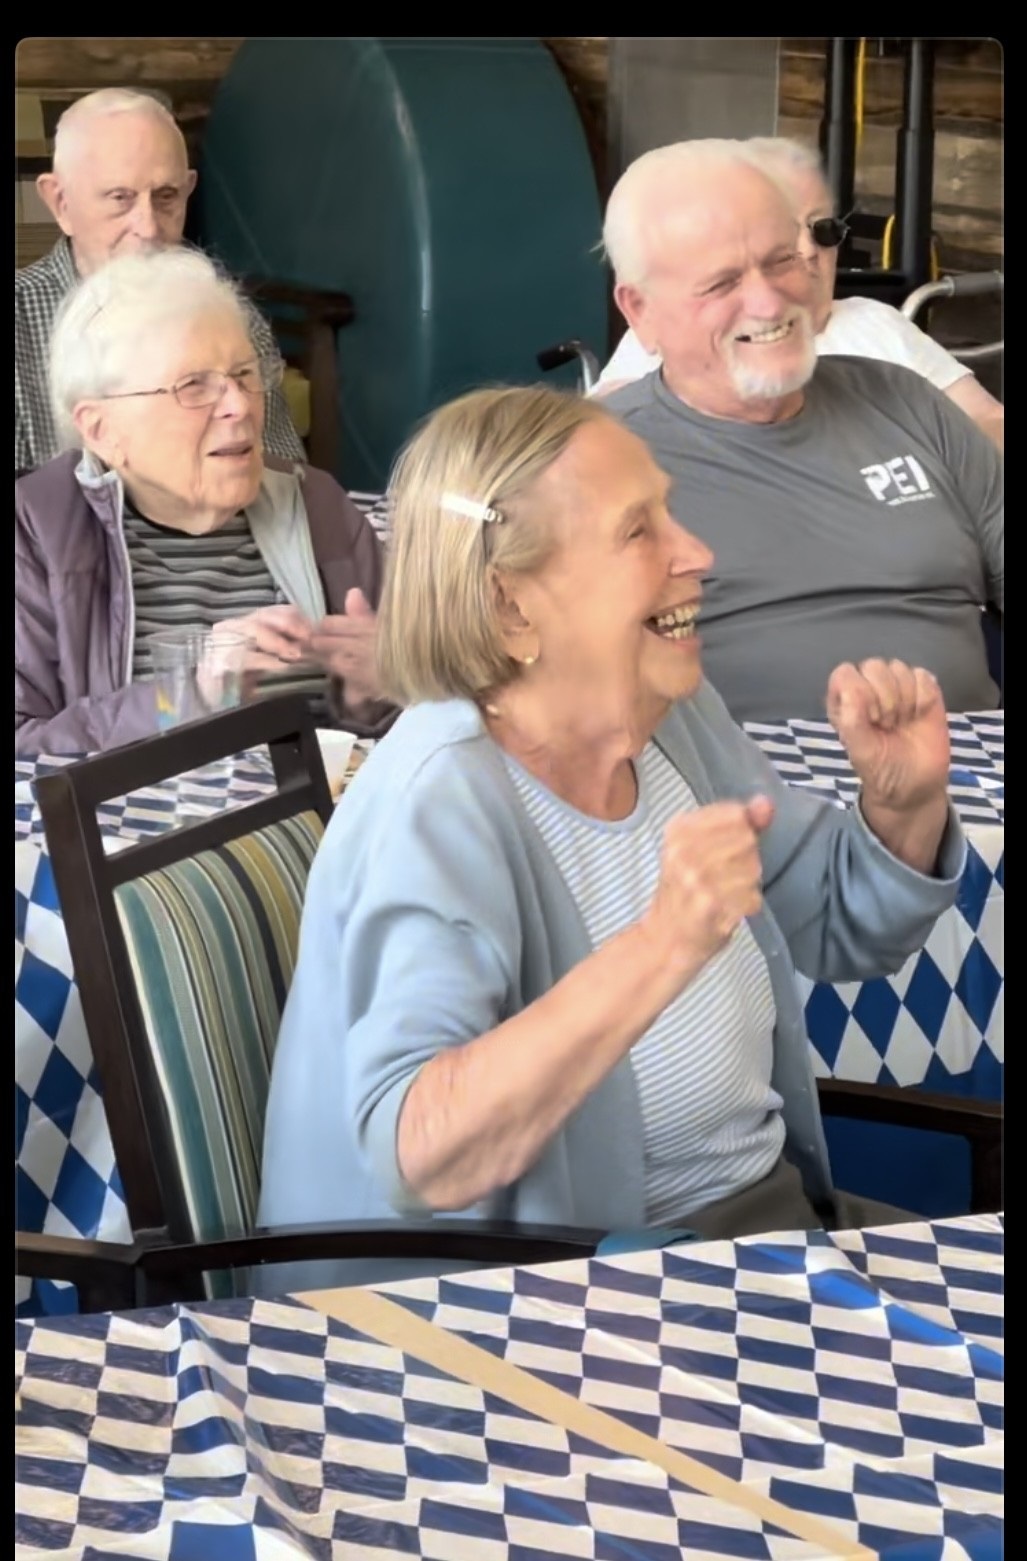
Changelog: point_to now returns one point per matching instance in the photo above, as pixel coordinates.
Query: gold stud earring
(528, 661)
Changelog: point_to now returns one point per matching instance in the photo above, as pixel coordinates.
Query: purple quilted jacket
(73, 609)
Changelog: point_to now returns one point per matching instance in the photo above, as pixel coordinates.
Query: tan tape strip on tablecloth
(389, 1323)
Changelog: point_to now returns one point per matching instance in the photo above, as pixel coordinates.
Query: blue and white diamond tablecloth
(855, 1380)
(938, 1022)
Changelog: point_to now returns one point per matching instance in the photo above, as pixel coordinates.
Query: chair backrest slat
(164, 850)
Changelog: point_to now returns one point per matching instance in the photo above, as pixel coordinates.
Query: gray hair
(74, 122)
(629, 221)
(439, 635)
(778, 156)
(778, 151)
(100, 324)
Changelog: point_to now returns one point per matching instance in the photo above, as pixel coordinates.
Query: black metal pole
(914, 168)
(838, 126)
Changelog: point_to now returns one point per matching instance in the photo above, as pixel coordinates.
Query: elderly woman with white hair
(546, 966)
(854, 326)
(163, 513)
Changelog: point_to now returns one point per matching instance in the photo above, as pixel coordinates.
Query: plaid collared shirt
(39, 290)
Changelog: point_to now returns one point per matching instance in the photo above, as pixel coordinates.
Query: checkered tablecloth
(855, 1379)
(378, 511)
(939, 1022)
(808, 753)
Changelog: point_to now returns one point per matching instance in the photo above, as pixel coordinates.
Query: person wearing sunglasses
(163, 514)
(852, 509)
(860, 327)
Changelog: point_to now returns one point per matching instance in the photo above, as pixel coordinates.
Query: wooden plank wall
(187, 70)
(50, 72)
(968, 126)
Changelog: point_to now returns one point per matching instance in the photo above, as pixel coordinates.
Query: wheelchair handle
(973, 284)
(566, 352)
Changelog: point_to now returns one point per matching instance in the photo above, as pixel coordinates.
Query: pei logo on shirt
(899, 481)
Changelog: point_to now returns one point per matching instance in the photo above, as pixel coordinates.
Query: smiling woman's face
(180, 462)
(614, 608)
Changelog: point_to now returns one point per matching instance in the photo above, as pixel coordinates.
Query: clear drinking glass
(197, 671)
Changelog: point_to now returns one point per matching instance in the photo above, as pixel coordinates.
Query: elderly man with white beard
(853, 510)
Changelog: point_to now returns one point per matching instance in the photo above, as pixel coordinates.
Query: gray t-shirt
(871, 524)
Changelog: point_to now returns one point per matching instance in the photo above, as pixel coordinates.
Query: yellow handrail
(889, 229)
(886, 241)
(861, 63)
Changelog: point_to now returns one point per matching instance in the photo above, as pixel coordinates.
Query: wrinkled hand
(344, 644)
(277, 635)
(891, 719)
(269, 639)
(710, 879)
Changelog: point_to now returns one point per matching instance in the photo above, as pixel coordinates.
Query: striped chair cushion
(212, 943)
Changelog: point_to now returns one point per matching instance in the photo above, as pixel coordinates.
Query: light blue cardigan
(434, 911)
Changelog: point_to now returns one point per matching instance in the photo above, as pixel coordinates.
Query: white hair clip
(473, 509)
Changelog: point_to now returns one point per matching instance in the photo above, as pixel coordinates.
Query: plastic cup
(197, 671)
(336, 752)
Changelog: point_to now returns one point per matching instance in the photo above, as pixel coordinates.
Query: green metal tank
(444, 183)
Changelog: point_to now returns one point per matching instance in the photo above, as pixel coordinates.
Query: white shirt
(711, 1121)
(858, 327)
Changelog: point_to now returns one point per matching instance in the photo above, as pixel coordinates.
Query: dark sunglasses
(828, 232)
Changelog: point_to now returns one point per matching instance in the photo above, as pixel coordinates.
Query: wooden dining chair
(183, 947)
(307, 322)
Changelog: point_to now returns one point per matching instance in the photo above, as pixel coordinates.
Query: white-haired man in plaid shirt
(120, 183)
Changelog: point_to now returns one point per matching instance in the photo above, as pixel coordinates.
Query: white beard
(754, 384)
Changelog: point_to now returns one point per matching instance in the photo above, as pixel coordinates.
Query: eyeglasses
(207, 388)
(828, 232)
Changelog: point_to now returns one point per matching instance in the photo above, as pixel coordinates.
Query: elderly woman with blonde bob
(163, 514)
(546, 968)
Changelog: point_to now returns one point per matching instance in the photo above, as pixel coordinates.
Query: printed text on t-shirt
(899, 481)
